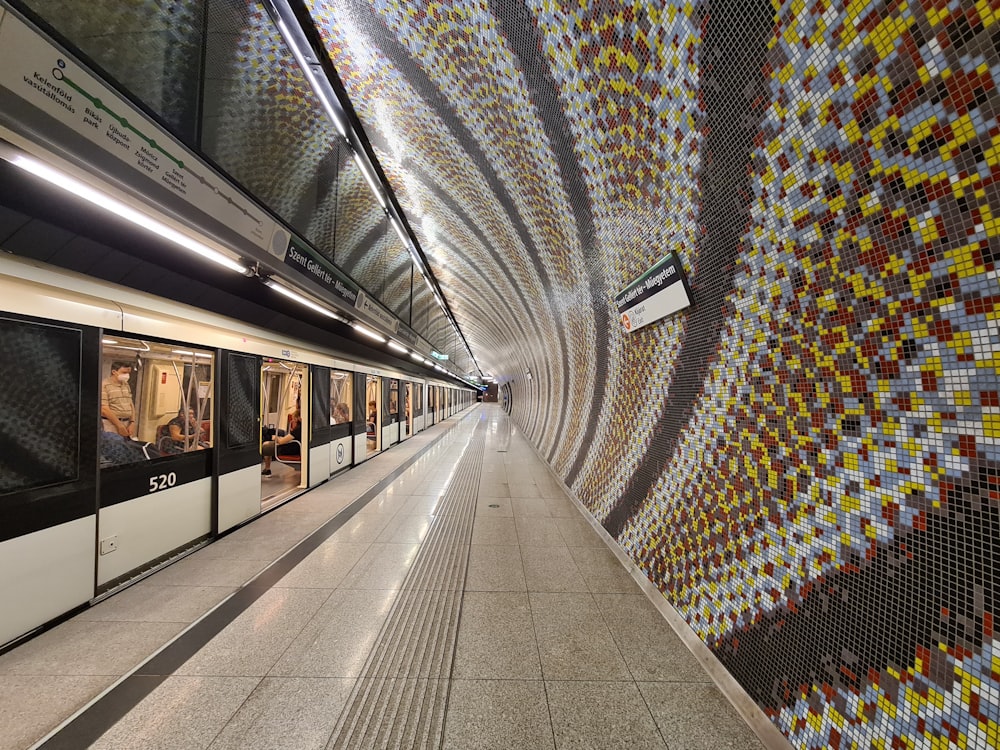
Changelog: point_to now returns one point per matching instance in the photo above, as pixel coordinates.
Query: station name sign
(301, 258)
(659, 292)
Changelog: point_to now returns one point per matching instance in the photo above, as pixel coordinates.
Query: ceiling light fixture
(285, 291)
(370, 180)
(117, 207)
(397, 347)
(368, 332)
(300, 58)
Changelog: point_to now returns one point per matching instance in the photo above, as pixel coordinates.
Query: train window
(156, 399)
(393, 398)
(340, 397)
(418, 398)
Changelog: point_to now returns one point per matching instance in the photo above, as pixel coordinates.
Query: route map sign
(35, 71)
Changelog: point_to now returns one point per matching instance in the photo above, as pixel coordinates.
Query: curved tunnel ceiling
(534, 152)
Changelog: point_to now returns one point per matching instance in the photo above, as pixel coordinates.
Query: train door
(284, 440)
(156, 461)
(417, 405)
(320, 425)
(373, 415)
(406, 417)
(390, 421)
(341, 420)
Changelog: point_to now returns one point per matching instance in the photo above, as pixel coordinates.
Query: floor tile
(385, 503)
(573, 641)
(649, 645)
(602, 716)
(32, 706)
(497, 715)
(325, 567)
(336, 641)
(421, 505)
(697, 717)
(79, 647)
(405, 529)
(151, 602)
(577, 532)
(495, 531)
(524, 490)
(602, 571)
(493, 507)
(183, 712)
(252, 643)
(560, 507)
(551, 569)
(286, 713)
(529, 507)
(383, 566)
(493, 489)
(539, 532)
(496, 638)
(205, 570)
(361, 529)
(494, 568)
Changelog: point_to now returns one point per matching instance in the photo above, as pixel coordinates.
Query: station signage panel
(39, 74)
(659, 292)
(303, 259)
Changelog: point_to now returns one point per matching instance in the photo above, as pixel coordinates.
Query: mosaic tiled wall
(805, 461)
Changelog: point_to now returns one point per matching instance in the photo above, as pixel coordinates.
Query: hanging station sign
(301, 257)
(659, 292)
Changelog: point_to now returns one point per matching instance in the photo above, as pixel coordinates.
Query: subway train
(135, 430)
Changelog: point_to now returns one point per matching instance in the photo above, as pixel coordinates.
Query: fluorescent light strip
(397, 347)
(367, 332)
(402, 235)
(416, 356)
(369, 179)
(300, 58)
(284, 290)
(112, 205)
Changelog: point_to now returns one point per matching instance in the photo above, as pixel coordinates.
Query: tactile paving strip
(401, 695)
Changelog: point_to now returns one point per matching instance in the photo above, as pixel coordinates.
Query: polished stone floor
(468, 604)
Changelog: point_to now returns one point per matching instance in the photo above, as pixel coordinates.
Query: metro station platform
(446, 594)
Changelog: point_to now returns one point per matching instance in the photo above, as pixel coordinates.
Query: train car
(137, 430)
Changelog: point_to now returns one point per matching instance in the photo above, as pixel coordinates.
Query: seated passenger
(372, 419)
(183, 432)
(341, 414)
(270, 448)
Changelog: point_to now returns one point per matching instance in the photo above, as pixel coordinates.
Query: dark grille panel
(241, 427)
(40, 423)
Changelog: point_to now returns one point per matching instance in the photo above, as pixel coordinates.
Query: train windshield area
(156, 400)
